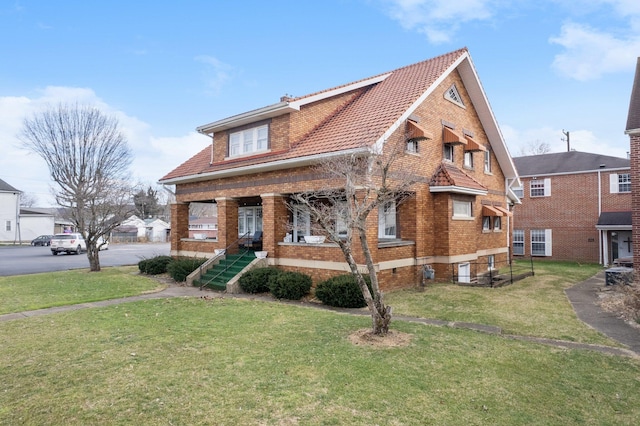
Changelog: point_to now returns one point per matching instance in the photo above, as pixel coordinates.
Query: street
(19, 260)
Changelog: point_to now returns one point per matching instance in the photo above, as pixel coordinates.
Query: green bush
(257, 279)
(155, 265)
(342, 291)
(181, 267)
(290, 285)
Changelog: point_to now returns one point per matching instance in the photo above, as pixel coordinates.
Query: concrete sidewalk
(584, 298)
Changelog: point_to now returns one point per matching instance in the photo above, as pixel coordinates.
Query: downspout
(506, 186)
(212, 135)
(601, 240)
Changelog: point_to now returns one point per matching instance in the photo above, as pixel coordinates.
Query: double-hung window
(301, 224)
(468, 159)
(540, 188)
(387, 220)
(7, 225)
(541, 242)
(518, 242)
(620, 182)
(249, 141)
(448, 151)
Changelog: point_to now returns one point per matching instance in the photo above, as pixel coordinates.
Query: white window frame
(341, 223)
(447, 152)
(486, 223)
(487, 161)
(497, 223)
(301, 224)
(249, 141)
(518, 241)
(462, 209)
(251, 226)
(468, 159)
(541, 237)
(412, 146)
(542, 188)
(620, 183)
(387, 223)
(7, 225)
(491, 262)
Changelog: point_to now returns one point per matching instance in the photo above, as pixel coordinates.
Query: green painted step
(237, 261)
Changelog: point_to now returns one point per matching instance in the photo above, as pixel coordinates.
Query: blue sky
(165, 67)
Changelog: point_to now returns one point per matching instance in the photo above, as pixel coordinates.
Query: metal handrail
(244, 236)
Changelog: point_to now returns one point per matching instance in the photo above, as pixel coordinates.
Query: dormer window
(452, 95)
(249, 141)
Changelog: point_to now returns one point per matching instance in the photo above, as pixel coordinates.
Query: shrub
(290, 285)
(181, 267)
(342, 291)
(257, 279)
(155, 265)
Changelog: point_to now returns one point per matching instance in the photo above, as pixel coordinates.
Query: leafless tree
(88, 159)
(356, 185)
(535, 148)
(28, 200)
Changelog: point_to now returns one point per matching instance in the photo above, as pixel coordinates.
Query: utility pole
(568, 143)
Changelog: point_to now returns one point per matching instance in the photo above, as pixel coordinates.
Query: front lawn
(37, 291)
(231, 361)
(536, 306)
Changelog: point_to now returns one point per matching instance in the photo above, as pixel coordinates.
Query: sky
(163, 68)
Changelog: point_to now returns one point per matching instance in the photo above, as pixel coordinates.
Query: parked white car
(103, 244)
(68, 243)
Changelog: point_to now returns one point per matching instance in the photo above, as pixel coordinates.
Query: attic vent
(453, 96)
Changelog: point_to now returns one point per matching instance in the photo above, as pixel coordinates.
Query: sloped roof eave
(458, 190)
(258, 168)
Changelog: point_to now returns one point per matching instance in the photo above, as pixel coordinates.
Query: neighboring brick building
(458, 214)
(575, 206)
(633, 130)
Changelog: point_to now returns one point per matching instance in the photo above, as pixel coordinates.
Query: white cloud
(438, 19)
(216, 73)
(590, 53)
(153, 157)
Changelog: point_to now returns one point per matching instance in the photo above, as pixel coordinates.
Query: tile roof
(567, 162)
(449, 175)
(633, 119)
(360, 123)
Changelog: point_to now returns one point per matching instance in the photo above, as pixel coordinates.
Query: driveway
(20, 260)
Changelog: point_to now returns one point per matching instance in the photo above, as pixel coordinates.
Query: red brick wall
(571, 212)
(425, 218)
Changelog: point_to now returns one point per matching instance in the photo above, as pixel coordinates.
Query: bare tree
(357, 184)
(88, 159)
(535, 148)
(28, 200)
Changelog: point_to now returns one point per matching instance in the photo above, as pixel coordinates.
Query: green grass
(536, 306)
(37, 291)
(228, 362)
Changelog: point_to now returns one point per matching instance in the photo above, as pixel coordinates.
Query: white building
(9, 212)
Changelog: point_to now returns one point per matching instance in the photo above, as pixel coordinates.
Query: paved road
(19, 260)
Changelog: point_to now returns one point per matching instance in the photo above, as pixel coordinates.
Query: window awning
(416, 131)
(491, 211)
(473, 145)
(450, 136)
(503, 210)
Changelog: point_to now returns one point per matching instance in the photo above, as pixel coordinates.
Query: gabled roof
(380, 105)
(449, 178)
(633, 119)
(567, 162)
(5, 187)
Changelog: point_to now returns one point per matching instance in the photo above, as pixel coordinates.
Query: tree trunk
(94, 259)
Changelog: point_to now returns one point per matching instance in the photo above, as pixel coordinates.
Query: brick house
(458, 214)
(633, 130)
(575, 206)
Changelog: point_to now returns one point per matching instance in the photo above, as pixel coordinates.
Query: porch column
(274, 222)
(227, 221)
(179, 224)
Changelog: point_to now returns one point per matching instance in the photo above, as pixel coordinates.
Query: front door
(249, 220)
(624, 245)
